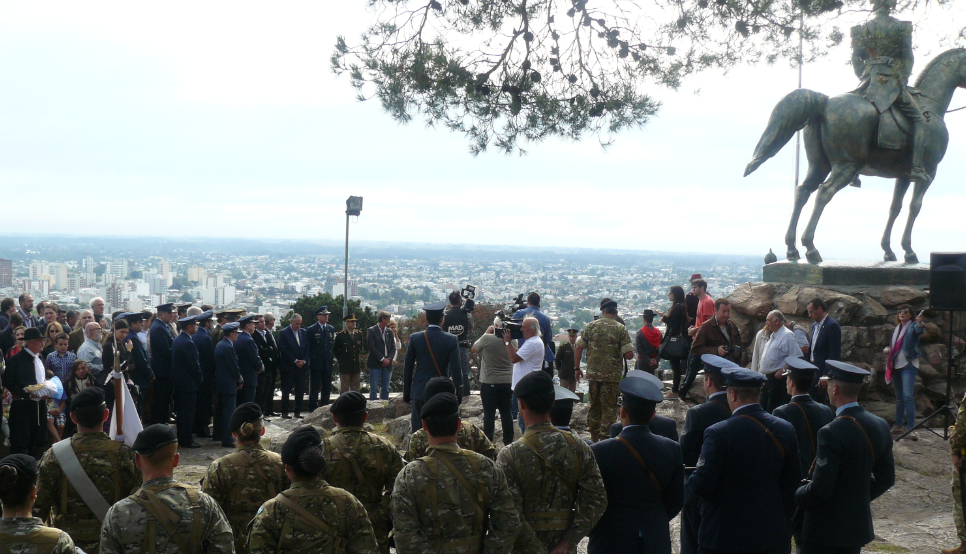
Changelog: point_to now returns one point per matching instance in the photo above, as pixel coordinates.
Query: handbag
(674, 348)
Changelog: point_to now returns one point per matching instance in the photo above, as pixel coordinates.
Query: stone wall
(868, 317)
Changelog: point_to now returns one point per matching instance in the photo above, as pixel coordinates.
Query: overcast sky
(223, 119)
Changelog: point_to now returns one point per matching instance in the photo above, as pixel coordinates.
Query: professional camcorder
(468, 293)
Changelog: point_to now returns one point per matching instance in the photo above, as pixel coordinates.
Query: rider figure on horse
(882, 59)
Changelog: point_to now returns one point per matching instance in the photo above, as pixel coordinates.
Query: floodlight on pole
(353, 207)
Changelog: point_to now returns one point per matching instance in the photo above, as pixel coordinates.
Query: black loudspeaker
(947, 281)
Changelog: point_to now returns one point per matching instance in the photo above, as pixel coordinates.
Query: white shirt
(815, 329)
(781, 345)
(532, 354)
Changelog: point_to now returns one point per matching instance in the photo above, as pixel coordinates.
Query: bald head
(92, 330)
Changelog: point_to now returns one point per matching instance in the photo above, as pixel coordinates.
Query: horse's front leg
(818, 170)
(842, 175)
(898, 193)
(914, 206)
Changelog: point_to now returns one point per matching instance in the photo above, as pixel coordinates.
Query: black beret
(437, 385)
(534, 383)
(24, 464)
(349, 403)
(607, 303)
(443, 404)
(300, 439)
(249, 412)
(154, 437)
(91, 396)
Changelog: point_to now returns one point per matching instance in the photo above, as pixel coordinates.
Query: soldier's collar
(158, 481)
(447, 446)
(97, 434)
(351, 428)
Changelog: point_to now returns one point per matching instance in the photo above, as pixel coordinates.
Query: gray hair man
(526, 357)
(780, 346)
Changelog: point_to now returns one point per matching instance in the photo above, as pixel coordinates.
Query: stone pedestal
(847, 273)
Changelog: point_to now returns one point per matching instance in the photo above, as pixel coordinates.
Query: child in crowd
(80, 378)
(60, 360)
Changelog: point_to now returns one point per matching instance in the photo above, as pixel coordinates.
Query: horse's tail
(790, 115)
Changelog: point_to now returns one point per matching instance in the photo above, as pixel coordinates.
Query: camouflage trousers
(958, 507)
(603, 408)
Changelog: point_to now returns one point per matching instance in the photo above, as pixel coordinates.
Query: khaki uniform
(469, 437)
(348, 349)
(556, 487)
(324, 520)
(241, 482)
(606, 341)
(453, 501)
(27, 535)
(365, 465)
(957, 443)
(165, 517)
(109, 465)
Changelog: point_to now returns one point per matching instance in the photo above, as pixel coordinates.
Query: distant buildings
(6, 273)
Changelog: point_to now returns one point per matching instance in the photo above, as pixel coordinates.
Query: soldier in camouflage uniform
(164, 516)
(245, 479)
(107, 463)
(957, 444)
(552, 474)
(19, 532)
(468, 437)
(362, 463)
(311, 516)
(608, 344)
(452, 501)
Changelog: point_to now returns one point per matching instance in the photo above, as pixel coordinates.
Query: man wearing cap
(170, 514)
(28, 418)
(245, 479)
(268, 352)
(468, 437)
(647, 341)
(659, 425)
(565, 362)
(362, 463)
(458, 321)
(608, 344)
(186, 378)
(228, 381)
(644, 477)
(140, 369)
(552, 475)
(221, 318)
(431, 353)
(293, 347)
(348, 348)
(84, 475)
(746, 475)
(780, 347)
(452, 500)
(311, 516)
(715, 409)
(161, 339)
(249, 363)
(719, 336)
(321, 339)
(853, 466)
(206, 357)
(563, 410)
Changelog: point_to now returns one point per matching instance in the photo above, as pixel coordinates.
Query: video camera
(468, 293)
(503, 322)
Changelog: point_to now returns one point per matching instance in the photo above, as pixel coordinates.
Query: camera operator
(546, 331)
(457, 321)
(718, 335)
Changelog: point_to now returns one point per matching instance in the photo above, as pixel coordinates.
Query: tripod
(946, 410)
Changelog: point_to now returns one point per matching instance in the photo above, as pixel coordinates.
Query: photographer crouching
(457, 321)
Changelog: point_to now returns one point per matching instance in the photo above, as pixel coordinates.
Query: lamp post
(353, 206)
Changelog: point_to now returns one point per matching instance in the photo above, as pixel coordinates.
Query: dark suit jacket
(7, 340)
(185, 364)
(828, 344)
(659, 425)
(847, 478)
(206, 354)
(267, 350)
(19, 374)
(807, 417)
(376, 340)
(248, 361)
(161, 342)
(140, 369)
(420, 368)
(226, 368)
(638, 515)
(321, 339)
(29, 320)
(4, 321)
(290, 350)
(746, 484)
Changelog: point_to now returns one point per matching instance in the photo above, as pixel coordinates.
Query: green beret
(443, 404)
(154, 437)
(349, 403)
(437, 385)
(535, 383)
(91, 396)
(249, 412)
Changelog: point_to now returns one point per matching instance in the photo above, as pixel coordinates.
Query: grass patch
(884, 547)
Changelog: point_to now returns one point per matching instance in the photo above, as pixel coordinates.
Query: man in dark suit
(268, 352)
(7, 308)
(321, 362)
(659, 425)
(293, 349)
(206, 355)
(853, 467)
(381, 344)
(227, 382)
(186, 378)
(161, 339)
(746, 475)
(644, 477)
(139, 369)
(825, 343)
(8, 336)
(249, 363)
(28, 415)
(431, 353)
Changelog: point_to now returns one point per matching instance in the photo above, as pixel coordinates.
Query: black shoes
(298, 415)
(192, 445)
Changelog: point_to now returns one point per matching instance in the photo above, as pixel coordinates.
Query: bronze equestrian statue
(881, 129)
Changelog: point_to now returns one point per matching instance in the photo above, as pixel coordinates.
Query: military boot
(961, 549)
(918, 173)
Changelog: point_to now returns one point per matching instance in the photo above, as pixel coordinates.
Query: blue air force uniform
(431, 353)
(659, 425)
(186, 378)
(206, 392)
(161, 341)
(321, 361)
(249, 363)
(805, 414)
(227, 378)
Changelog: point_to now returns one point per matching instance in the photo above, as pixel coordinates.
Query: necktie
(297, 341)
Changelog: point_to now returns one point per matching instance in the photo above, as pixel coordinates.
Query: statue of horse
(847, 137)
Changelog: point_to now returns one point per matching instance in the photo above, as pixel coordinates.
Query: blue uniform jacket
(659, 425)
(206, 354)
(185, 365)
(746, 484)
(420, 368)
(638, 514)
(226, 368)
(249, 364)
(291, 350)
(161, 341)
(807, 417)
(140, 370)
(321, 338)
